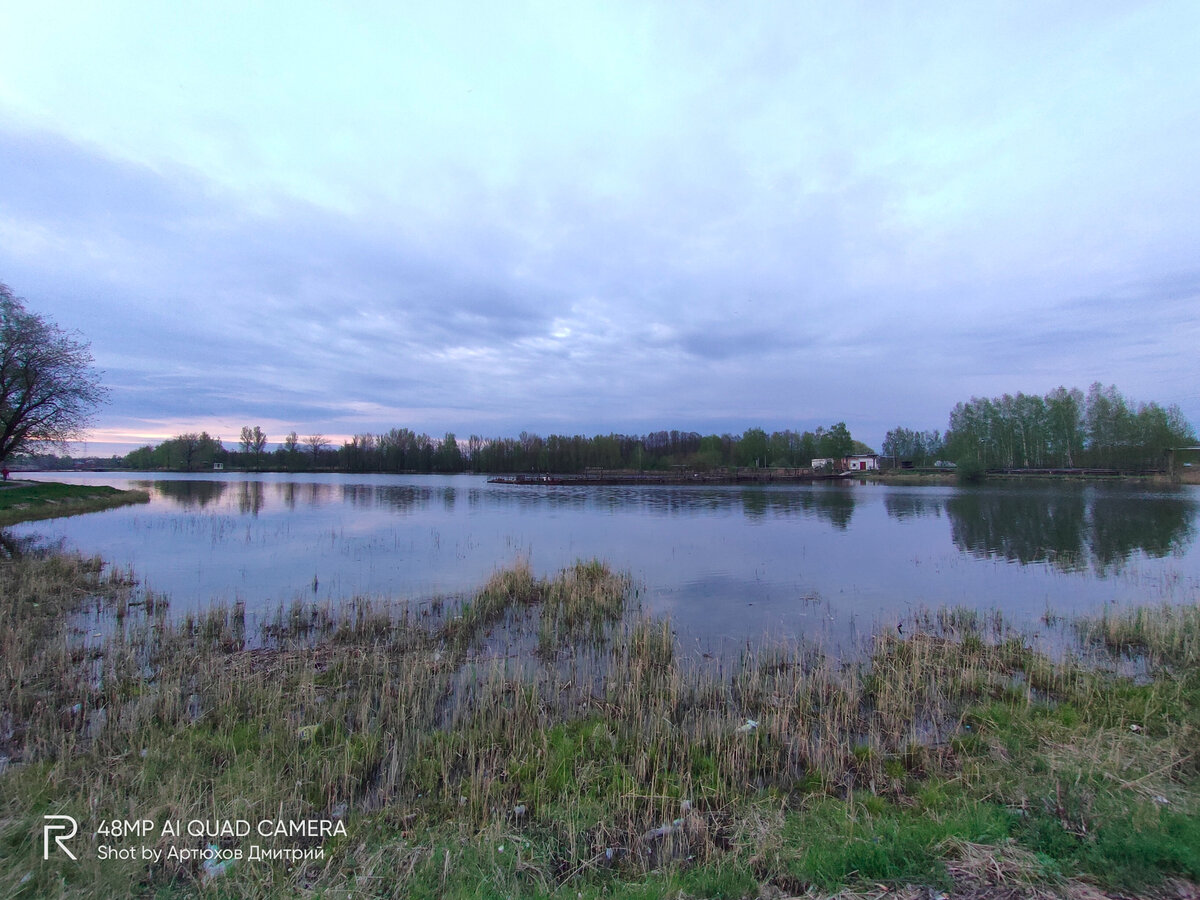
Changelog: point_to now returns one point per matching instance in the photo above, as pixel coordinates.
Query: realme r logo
(56, 824)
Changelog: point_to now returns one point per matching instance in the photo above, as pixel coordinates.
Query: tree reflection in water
(833, 504)
(1072, 530)
(913, 506)
(188, 494)
(250, 497)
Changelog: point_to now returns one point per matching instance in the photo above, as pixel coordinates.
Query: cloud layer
(608, 217)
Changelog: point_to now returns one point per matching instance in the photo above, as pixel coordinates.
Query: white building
(864, 462)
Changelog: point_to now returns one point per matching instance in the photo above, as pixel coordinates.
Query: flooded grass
(31, 501)
(545, 738)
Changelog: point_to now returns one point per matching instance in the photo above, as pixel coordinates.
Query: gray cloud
(760, 225)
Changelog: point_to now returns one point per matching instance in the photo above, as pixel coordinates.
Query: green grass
(544, 739)
(30, 501)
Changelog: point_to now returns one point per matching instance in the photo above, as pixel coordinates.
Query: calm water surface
(728, 564)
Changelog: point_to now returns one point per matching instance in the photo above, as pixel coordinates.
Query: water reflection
(316, 493)
(188, 494)
(832, 504)
(910, 506)
(722, 561)
(250, 497)
(401, 498)
(1071, 530)
(1120, 525)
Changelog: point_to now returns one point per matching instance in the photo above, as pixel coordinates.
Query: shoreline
(746, 478)
(29, 501)
(916, 479)
(547, 739)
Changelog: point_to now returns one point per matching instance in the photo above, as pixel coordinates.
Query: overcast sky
(586, 218)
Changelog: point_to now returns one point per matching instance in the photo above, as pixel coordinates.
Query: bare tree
(316, 443)
(253, 441)
(48, 388)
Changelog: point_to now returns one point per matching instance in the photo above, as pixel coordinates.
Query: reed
(545, 737)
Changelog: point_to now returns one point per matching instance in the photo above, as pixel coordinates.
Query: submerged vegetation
(543, 738)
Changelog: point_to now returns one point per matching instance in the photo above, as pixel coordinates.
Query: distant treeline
(1063, 429)
(402, 450)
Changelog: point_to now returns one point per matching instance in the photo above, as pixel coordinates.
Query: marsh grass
(543, 737)
(1164, 636)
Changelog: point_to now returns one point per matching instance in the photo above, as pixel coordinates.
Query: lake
(829, 562)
